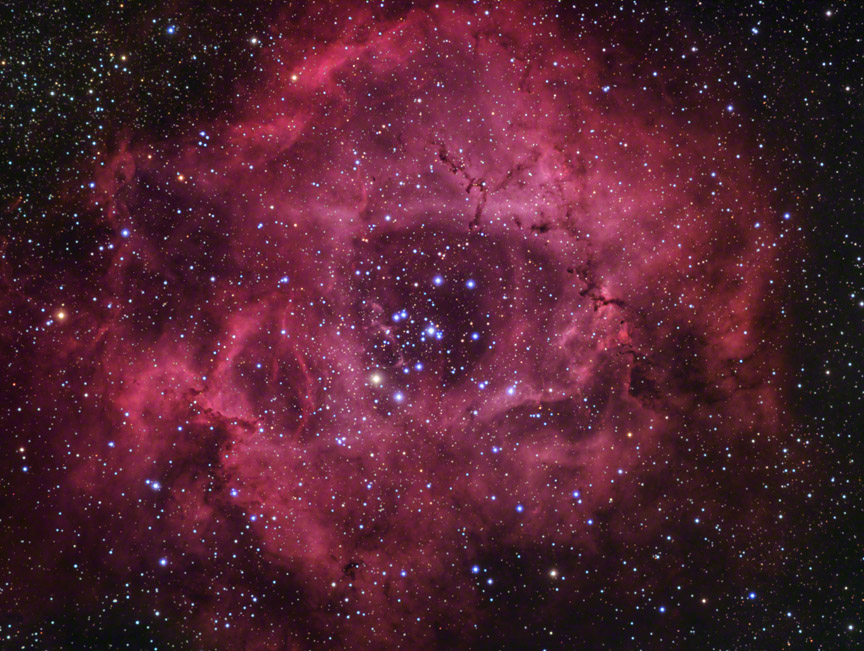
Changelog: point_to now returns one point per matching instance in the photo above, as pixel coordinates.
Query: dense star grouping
(457, 327)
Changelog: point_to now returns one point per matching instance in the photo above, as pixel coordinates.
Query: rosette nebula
(450, 326)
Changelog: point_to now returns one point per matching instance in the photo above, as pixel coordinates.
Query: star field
(434, 325)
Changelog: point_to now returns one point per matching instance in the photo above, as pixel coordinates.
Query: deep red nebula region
(448, 333)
